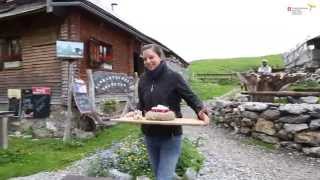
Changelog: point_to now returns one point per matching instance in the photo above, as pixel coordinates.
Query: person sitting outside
(264, 69)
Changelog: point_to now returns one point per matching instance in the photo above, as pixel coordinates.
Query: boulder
(315, 114)
(245, 122)
(315, 124)
(25, 125)
(312, 138)
(314, 151)
(142, 178)
(221, 104)
(291, 145)
(312, 107)
(119, 175)
(309, 99)
(270, 114)
(255, 106)
(293, 128)
(284, 135)
(294, 119)
(317, 71)
(245, 130)
(41, 133)
(190, 174)
(250, 115)
(265, 126)
(293, 108)
(278, 126)
(266, 138)
(80, 134)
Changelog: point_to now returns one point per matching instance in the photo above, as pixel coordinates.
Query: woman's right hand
(202, 115)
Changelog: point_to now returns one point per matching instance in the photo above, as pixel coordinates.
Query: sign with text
(112, 83)
(69, 49)
(81, 97)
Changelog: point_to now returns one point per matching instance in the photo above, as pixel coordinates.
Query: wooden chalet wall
(39, 64)
(123, 44)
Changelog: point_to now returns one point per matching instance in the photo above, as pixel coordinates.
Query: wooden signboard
(112, 83)
(177, 121)
(81, 97)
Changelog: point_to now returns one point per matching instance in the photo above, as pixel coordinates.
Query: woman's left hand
(202, 115)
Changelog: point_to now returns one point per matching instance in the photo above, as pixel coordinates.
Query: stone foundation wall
(295, 126)
(52, 126)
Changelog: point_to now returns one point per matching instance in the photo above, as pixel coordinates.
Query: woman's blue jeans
(164, 152)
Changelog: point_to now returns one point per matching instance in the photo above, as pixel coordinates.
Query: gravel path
(229, 158)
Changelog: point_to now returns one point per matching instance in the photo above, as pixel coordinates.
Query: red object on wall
(41, 90)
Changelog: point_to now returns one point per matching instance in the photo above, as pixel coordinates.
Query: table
(4, 128)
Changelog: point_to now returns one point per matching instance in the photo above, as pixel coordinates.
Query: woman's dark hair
(155, 48)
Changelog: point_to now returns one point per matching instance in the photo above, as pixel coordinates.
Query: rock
(59, 133)
(250, 115)
(119, 175)
(315, 114)
(278, 126)
(293, 108)
(266, 138)
(38, 124)
(291, 145)
(41, 133)
(190, 174)
(284, 135)
(314, 151)
(309, 99)
(312, 107)
(51, 126)
(294, 119)
(176, 177)
(83, 134)
(255, 106)
(142, 178)
(264, 126)
(222, 104)
(317, 71)
(227, 110)
(315, 124)
(25, 125)
(245, 122)
(242, 98)
(245, 130)
(293, 128)
(271, 114)
(312, 138)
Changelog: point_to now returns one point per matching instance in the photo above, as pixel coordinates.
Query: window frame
(10, 52)
(100, 53)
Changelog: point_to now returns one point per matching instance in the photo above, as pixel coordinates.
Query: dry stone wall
(294, 126)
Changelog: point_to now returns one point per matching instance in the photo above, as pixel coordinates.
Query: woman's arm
(192, 100)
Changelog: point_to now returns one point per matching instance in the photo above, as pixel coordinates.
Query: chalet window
(10, 52)
(100, 54)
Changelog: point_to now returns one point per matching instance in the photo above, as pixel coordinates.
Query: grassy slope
(207, 90)
(30, 157)
(233, 65)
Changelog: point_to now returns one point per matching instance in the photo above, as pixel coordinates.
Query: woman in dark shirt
(160, 85)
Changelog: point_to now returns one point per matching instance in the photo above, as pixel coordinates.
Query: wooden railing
(209, 77)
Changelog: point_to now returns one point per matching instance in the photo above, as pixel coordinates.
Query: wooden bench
(4, 128)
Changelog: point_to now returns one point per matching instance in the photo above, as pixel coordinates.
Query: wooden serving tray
(177, 121)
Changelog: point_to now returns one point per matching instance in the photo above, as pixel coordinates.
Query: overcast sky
(199, 29)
